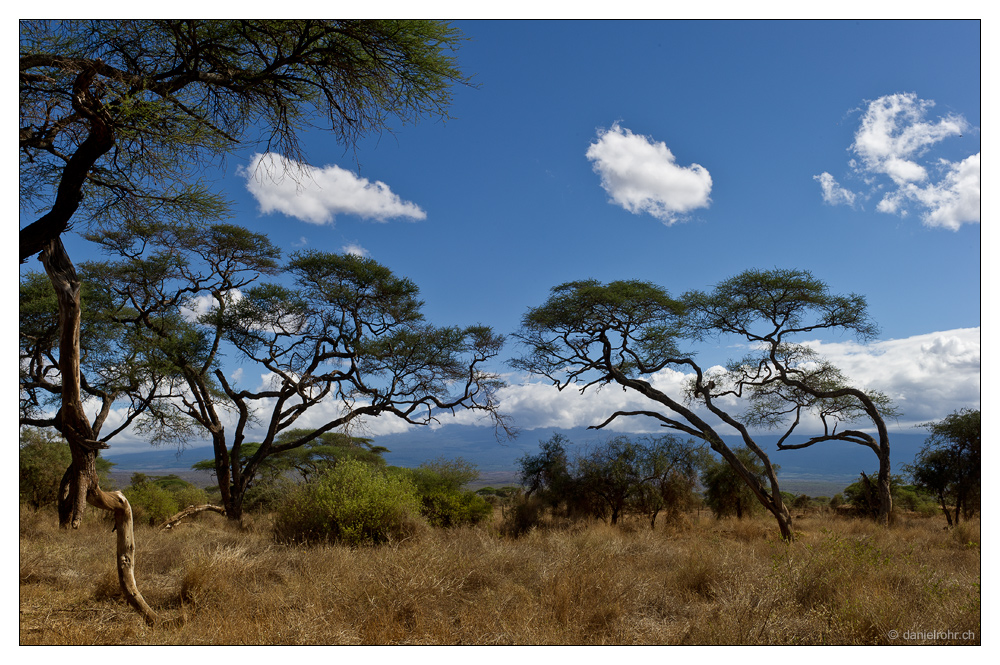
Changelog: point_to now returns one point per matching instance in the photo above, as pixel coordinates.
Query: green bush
(150, 502)
(156, 498)
(354, 503)
(266, 494)
(454, 508)
(443, 500)
(44, 458)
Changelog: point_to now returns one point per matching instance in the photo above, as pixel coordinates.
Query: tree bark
(80, 484)
(191, 510)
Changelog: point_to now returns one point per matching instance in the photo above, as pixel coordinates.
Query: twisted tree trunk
(80, 485)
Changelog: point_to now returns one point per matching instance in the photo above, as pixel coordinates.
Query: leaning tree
(592, 335)
(784, 380)
(119, 118)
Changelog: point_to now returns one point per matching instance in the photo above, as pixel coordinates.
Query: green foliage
(725, 492)
(620, 475)
(949, 465)
(547, 474)
(178, 94)
(156, 498)
(447, 509)
(353, 503)
(863, 496)
(271, 483)
(578, 314)
(444, 501)
(43, 459)
(505, 492)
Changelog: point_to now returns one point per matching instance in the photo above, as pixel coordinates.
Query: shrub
(150, 502)
(354, 503)
(156, 498)
(454, 508)
(267, 494)
(443, 500)
(43, 460)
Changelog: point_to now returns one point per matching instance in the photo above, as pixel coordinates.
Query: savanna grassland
(695, 581)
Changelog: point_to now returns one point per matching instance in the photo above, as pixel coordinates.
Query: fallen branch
(187, 512)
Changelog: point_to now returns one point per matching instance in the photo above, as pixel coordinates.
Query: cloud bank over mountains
(927, 376)
(890, 151)
(317, 195)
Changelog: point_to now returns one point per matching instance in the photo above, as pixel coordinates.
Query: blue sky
(680, 153)
(513, 205)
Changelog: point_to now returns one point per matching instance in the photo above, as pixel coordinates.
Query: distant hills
(822, 470)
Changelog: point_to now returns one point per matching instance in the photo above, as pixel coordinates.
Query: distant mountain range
(822, 470)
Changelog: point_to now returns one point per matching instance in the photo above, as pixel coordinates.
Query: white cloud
(955, 200)
(641, 175)
(891, 144)
(198, 306)
(927, 376)
(355, 249)
(318, 195)
(833, 193)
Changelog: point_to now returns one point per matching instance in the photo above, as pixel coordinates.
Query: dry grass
(701, 582)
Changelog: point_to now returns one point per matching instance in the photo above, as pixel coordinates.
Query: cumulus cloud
(318, 195)
(891, 149)
(642, 176)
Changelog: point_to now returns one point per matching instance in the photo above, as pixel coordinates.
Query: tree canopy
(121, 116)
(949, 465)
(784, 380)
(339, 330)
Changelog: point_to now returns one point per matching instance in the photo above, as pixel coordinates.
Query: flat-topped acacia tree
(783, 379)
(592, 335)
(342, 335)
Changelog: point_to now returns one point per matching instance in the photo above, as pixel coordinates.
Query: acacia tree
(785, 381)
(949, 463)
(547, 474)
(613, 472)
(346, 333)
(117, 118)
(646, 475)
(725, 492)
(588, 334)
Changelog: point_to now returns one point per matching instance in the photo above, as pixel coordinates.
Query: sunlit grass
(700, 581)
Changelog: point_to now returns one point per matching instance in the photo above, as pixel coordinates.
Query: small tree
(547, 475)
(725, 492)
(670, 471)
(612, 473)
(949, 466)
(43, 459)
(445, 501)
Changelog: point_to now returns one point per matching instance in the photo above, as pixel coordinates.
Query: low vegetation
(693, 579)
